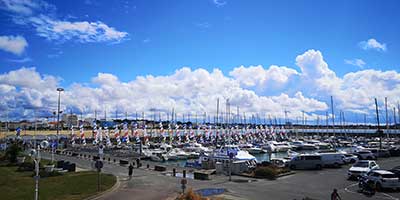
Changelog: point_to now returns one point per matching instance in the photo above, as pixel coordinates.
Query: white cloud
(196, 91)
(353, 92)
(260, 77)
(356, 62)
(23, 7)
(82, 31)
(186, 90)
(41, 16)
(315, 73)
(13, 44)
(372, 44)
(219, 3)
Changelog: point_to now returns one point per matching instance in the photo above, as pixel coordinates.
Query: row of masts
(228, 117)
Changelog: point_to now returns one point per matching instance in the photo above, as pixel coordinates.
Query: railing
(344, 131)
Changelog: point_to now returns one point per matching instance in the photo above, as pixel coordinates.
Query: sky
(266, 57)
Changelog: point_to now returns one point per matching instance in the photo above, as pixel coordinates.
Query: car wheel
(352, 161)
(318, 167)
(336, 165)
(293, 167)
(369, 158)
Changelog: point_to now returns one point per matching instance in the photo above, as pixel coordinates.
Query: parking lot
(315, 184)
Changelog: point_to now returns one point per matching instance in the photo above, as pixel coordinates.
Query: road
(149, 184)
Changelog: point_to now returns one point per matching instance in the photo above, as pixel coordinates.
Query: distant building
(69, 120)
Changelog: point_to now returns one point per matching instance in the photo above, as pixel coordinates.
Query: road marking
(390, 196)
(385, 195)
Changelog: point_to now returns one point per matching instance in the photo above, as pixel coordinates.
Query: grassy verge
(20, 185)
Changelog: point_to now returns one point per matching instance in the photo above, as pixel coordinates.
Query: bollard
(173, 172)
(109, 159)
(114, 160)
(184, 173)
(148, 166)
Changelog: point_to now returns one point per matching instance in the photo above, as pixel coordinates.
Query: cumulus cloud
(186, 90)
(42, 17)
(372, 44)
(353, 92)
(260, 77)
(196, 91)
(13, 44)
(356, 62)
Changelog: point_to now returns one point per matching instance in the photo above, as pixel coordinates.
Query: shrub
(12, 152)
(44, 174)
(266, 172)
(26, 166)
(190, 195)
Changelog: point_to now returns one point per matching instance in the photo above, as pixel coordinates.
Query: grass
(70, 186)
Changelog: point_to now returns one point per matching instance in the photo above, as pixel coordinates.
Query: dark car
(396, 170)
(394, 151)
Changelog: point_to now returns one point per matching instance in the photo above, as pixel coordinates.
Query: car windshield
(361, 164)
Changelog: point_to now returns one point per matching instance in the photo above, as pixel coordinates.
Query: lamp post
(58, 111)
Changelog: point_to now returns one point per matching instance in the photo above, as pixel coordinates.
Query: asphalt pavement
(315, 184)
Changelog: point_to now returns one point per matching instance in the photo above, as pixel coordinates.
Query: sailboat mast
(377, 119)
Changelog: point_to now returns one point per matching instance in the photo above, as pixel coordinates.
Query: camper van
(333, 159)
(306, 161)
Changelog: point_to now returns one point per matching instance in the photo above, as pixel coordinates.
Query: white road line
(390, 196)
(385, 195)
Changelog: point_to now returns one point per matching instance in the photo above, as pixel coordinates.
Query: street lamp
(58, 110)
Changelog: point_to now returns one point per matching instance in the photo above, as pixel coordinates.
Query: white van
(333, 159)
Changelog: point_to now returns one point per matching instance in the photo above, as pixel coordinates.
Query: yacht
(275, 146)
(196, 147)
(300, 145)
(251, 148)
(222, 155)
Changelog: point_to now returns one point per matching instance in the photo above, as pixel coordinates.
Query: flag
(83, 140)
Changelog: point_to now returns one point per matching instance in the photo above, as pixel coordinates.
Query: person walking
(130, 171)
(335, 195)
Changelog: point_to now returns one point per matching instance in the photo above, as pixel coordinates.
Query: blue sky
(160, 37)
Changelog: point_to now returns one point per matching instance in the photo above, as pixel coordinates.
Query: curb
(101, 194)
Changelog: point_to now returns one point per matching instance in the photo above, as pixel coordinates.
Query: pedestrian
(138, 162)
(335, 195)
(130, 172)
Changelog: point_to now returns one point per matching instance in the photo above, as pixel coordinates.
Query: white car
(350, 158)
(361, 167)
(365, 155)
(383, 179)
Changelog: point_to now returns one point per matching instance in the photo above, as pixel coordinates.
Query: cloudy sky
(152, 56)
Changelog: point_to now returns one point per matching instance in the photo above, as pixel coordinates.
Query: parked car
(306, 161)
(361, 167)
(396, 170)
(380, 153)
(350, 158)
(365, 155)
(394, 151)
(334, 159)
(383, 179)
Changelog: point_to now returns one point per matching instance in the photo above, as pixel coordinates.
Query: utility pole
(58, 112)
